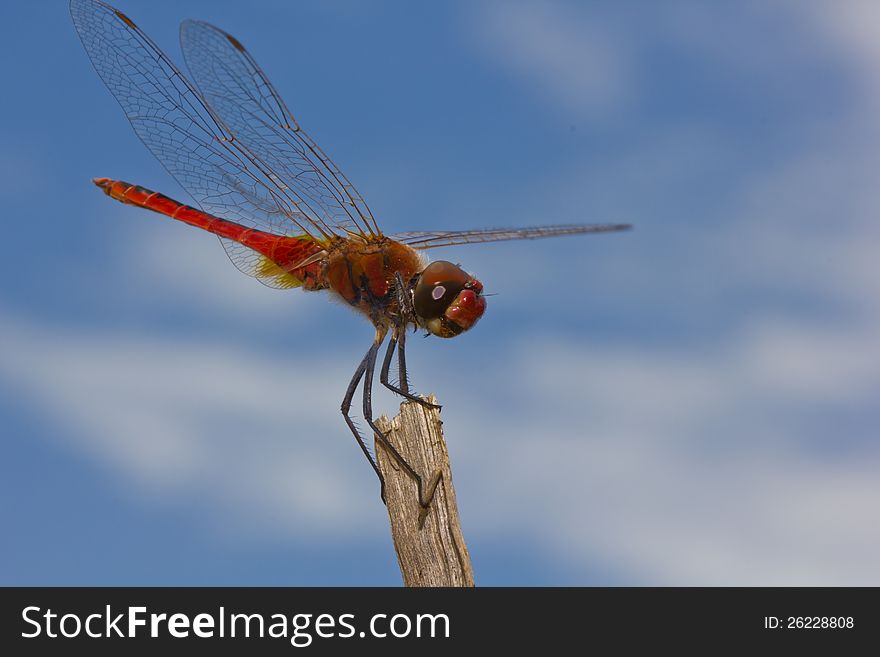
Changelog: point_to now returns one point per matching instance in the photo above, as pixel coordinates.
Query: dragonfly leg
(401, 359)
(398, 340)
(346, 407)
(370, 365)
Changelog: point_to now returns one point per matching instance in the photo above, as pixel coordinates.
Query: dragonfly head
(447, 300)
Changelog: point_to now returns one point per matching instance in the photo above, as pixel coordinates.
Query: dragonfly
(284, 212)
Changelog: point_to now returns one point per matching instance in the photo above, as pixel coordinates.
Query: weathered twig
(430, 546)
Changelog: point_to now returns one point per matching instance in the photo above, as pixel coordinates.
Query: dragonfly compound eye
(447, 299)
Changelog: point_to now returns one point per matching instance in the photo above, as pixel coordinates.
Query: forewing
(239, 92)
(432, 239)
(195, 147)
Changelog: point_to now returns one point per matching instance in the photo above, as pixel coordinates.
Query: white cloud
(852, 27)
(672, 466)
(679, 467)
(260, 438)
(575, 59)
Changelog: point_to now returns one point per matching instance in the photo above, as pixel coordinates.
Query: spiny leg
(398, 340)
(370, 362)
(401, 360)
(401, 371)
(386, 364)
(346, 407)
(405, 303)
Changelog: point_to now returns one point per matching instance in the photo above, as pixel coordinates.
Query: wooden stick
(430, 546)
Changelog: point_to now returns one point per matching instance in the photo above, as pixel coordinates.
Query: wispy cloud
(571, 55)
(195, 419)
(681, 466)
(851, 27)
(672, 466)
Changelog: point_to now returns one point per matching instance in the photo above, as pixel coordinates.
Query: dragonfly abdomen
(145, 198)
(282, 253)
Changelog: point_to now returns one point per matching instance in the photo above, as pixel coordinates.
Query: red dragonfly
(283, 211)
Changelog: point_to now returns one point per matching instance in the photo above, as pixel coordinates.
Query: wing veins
(285, 120)
(204, 46)
(284, 133)
(168, 91)
(423, 240)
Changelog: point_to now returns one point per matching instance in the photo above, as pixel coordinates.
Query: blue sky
(692, 403)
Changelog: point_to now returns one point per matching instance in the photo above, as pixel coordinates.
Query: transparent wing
(184, 134)
(235, 87)
(430, 240)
